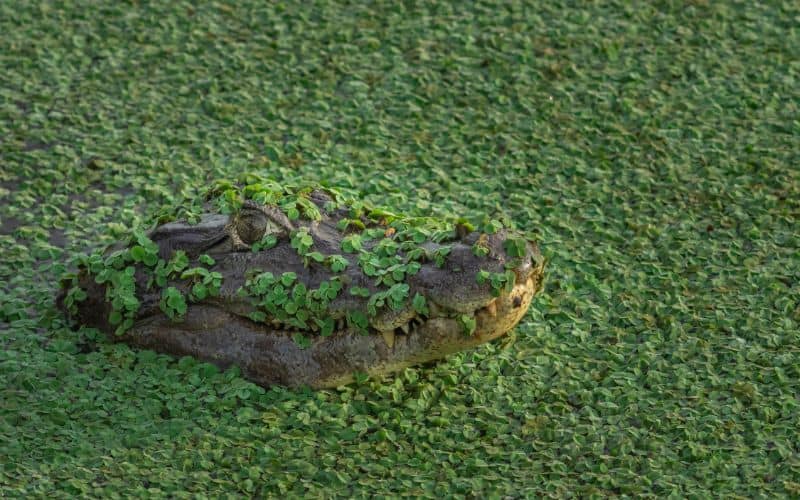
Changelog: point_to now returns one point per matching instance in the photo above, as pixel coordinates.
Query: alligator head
(304, 287)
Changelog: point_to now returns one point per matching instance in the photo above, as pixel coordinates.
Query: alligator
(305, 286)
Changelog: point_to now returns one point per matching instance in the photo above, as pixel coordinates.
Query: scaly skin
(221, 329)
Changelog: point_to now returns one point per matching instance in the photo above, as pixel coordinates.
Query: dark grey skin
(217, 330)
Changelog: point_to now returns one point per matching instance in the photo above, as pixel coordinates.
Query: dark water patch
(57, 238)
(9, 224)
(23, 106)
(37, 146)
(10, 185)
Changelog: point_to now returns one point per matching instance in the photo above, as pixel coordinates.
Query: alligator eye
(251, 225)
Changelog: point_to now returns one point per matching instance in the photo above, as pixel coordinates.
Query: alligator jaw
(270, 357)
(439, 337)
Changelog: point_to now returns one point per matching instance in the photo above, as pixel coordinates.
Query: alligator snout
(477, 259)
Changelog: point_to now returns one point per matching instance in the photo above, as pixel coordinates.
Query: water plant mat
(651, 147)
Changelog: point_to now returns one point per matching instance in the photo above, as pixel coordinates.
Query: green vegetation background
(652, 147)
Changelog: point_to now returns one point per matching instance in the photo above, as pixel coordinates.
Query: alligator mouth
(490, 321)
(433, 338)
(499, 313)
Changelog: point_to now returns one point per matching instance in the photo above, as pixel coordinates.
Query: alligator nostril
(517, 301)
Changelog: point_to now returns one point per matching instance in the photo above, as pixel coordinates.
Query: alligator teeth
(388, 337)
(404, 327)
(492, 308)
